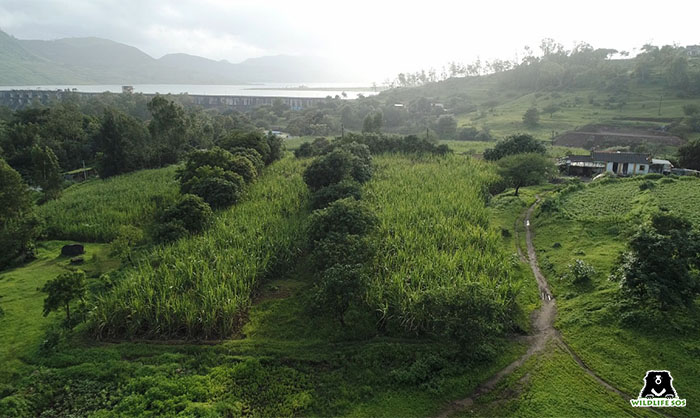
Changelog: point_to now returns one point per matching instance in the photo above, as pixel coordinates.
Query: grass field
(594, 224)
(22, 326)
(94, 210)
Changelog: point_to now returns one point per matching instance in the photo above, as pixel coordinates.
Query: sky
(378, 39)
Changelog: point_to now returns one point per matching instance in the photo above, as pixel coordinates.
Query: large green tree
(660, 269)
(689, 155)
(122, 143)
(46, 173)
(168, 128)
(515, 144)
(18, 224)
(525, 169)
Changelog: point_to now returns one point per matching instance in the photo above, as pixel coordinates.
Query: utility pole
(427, 133)
(661, 97)
(84, 171)
(342, 131)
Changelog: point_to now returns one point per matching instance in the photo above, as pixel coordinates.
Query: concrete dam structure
(17, 99)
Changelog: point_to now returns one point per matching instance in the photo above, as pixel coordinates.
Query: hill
(102, 61)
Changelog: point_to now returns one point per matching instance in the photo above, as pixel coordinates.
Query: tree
(168, 128)
(660, 269)
(515, 144)
(46, 173)
(689, 155)
(18, 224)
(344, 216)
(63, 290)
(525, 169)
(338, 287)
(122, 143)
(249, 139)
(326, 195)
(531, 118)
(551, 109)
(190, 214)
(128, 236)
(446, 126)
(328, 169)
(373, 122)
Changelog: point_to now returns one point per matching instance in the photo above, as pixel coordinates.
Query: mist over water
(351, 90)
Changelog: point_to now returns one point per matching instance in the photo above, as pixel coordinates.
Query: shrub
(63, 290)
(646, 185)
(304, 150)
(328, 169)
(468, 314)
(127, 238)
(340, 249)
(660, 269)
(579, 272)
(515, 144)
(253, 140)
(339, 287)
(191, 212)
(218, 192)
(345, 188)
(252, 155)
(168, 231)
(345, 216)
(361, 161)
(276, 147)
(244, 167)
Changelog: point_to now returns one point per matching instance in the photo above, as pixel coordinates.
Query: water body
(352, 91)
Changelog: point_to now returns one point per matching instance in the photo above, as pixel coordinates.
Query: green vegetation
(594, 223)
(429, 241)
(94, 211)
(18, 225)
(189, 290)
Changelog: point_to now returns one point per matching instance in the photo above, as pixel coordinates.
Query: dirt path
(544, 331)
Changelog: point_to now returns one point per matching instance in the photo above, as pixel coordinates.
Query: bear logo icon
(658, 384)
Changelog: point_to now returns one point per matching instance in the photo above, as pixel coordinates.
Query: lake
(351, 90)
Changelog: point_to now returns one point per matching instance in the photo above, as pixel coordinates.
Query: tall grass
(199, 287)
(93, 211)
(434, 236)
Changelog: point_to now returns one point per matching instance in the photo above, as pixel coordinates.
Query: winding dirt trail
(543, 332)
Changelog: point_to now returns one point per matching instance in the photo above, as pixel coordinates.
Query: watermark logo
(658, 391)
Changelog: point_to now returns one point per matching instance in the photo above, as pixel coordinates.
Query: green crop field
(435, 234)
(94, 210)
(200, 286)
(622, 198)
(285, 360)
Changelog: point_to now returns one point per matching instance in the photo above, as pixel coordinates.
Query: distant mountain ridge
(101, 61)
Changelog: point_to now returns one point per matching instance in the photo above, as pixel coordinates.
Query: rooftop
(620, 157)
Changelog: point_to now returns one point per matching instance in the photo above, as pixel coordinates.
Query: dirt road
(543, 332)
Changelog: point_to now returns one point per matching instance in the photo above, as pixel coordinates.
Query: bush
(345, 216)
(244, 167)
(253, 140)
(579, 272)
(340, 249)
(515, 144)
(469, 314)
(326, 195)
(339, 287)
(646, 185)
(252, 155)
(328, 169)
(276, 147)
(128, 236)
(361, 161)
(191, 214)
(218, 192)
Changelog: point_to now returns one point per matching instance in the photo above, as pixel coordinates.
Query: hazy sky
(385, 36)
